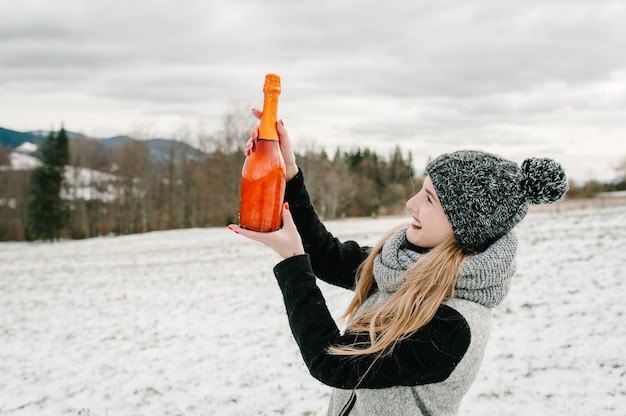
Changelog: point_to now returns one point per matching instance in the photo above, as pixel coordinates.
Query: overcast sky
(518, 78)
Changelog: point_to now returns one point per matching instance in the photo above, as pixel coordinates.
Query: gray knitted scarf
(484, 278)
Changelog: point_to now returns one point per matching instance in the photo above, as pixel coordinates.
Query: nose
(411, 204)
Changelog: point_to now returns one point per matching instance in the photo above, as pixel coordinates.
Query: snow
(26, 147)
(192, 322)
(89, 184)
(84, 183)
(21, 158)
(21, 161)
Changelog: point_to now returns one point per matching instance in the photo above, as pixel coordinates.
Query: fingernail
(231, 228)
(281, 122)
(286, 206)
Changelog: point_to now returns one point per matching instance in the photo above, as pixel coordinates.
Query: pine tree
(48, 213)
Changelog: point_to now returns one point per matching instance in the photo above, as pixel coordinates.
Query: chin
(413, 236)
(416, 237)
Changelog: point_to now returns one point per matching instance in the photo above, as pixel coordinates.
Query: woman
(421, 313)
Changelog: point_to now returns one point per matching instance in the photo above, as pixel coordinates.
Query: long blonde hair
(429, 282)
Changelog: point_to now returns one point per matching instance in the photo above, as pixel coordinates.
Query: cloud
(354, 72)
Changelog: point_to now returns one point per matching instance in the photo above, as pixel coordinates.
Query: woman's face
(430, 225)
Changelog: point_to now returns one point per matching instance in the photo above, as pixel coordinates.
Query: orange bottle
(263, 173)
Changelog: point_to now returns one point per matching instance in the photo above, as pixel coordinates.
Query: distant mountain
(12, 139)
(160, 149)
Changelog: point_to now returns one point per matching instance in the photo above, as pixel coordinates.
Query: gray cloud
(500, 73)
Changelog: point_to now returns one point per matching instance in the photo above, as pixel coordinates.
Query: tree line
(125, 191)
(80, 189)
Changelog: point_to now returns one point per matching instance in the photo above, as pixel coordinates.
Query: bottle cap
(272, 84)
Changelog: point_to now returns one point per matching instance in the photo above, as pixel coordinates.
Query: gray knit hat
(485, 196)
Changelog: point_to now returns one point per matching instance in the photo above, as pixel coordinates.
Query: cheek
(445, 232)
(441, 226)
(445, 228)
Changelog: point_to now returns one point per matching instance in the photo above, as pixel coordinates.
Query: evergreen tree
(48, 213)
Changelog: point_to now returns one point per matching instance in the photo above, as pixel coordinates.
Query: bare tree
(621, 168)
(5, 157)
(133, 158)
(227, 161)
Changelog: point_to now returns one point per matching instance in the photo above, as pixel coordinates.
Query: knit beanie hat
(485, 196)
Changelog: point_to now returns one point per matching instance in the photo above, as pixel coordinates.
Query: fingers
(287, 218)
(286, 149)
(286, 241)
(286, 146)
(254, 134)
(252, 235)
(282, 132)
(269, 239)
(251, 143)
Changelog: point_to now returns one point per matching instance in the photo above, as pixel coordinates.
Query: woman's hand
(285, 145)
(286, 241)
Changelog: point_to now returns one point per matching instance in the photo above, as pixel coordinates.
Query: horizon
(418, 169)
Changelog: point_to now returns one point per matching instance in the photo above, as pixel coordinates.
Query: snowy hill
(191, 322)
(22, 157)
(84, 183)
(26, 148)
(23, 161)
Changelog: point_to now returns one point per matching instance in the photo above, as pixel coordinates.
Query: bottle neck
(267, 128)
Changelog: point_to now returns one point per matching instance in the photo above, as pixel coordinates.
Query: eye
(428, 199)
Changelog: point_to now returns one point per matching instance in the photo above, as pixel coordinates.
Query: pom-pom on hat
(485, 196)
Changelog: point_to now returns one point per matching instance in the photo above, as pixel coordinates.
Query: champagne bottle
(263, 173)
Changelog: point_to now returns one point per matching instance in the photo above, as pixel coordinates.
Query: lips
(416, 224)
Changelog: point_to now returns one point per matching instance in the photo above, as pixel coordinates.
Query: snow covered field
(191, 322)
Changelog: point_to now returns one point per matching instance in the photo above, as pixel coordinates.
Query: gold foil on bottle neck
(272, 84)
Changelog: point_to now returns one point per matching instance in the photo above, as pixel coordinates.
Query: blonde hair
(429, 282)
